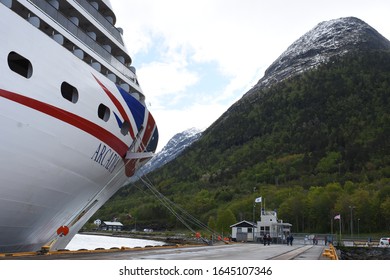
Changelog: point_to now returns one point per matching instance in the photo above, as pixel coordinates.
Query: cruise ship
(73, 119)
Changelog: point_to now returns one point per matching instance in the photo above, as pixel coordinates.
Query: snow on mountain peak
(177, 144)
(327, 39)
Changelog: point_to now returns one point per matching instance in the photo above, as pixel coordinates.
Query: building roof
(113, 224)
(244, 223)
(285, 224)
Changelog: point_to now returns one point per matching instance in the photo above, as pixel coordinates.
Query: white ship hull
(59, 161)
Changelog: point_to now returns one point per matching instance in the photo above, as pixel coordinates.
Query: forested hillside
(311, 146)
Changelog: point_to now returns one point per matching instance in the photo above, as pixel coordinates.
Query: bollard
(330, 253)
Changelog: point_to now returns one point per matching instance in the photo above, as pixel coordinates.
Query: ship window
(103, 112)
(20, 65)
(69, 92)
(125, 127)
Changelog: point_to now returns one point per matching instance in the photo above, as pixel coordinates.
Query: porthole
(103, 112)
(125, 128)
(69, 92)
(20, 65)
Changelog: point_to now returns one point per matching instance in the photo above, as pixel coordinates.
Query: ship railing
(101, 19)
(83, 37)
(144, 155)
(138, 139)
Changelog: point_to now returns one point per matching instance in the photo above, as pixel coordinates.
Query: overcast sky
(195, 58)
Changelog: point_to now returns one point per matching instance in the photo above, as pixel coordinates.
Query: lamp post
(253, 217)
(254, 205)
(358, 227)
(351, 208)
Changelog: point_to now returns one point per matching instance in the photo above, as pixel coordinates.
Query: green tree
(293, 209)
(225, 219)
(385, 208)
(211, 223)
(312, 145)
(329, 163)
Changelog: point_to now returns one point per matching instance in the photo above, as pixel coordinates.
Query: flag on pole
(337, 217)
(258, 200)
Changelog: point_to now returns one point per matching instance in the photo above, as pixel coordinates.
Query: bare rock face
(326, 40)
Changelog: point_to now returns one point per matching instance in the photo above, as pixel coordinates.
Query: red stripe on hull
(89, 127)
(150, 126)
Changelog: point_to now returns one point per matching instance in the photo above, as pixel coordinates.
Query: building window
(249, 230)
(239, 230)
(20, 65)
(103, 112)
(69, 92)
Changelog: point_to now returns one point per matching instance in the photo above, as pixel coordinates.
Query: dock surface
(233, 251)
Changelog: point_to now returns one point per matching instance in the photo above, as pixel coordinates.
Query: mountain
(175, 146)
(326, 40)
(311, 138)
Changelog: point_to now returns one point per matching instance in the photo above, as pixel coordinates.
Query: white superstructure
(73, 121)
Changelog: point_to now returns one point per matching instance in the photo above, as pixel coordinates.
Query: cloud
(166, 79)
(195, 115)
(194, 59)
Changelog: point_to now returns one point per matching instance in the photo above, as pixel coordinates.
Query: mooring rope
(184, 217)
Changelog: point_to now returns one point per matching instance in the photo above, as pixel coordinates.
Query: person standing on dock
(268, 238)
(291, 239)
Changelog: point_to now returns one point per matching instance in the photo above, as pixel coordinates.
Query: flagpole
(339, 218)
(264, 205)
(331, 226)
(254, 211)
(257, 200)
(261, 208)
(340, 228)
(254, 222)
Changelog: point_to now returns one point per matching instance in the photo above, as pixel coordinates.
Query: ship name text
(106, 157)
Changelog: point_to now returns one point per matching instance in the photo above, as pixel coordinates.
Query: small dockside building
(269, 224)
(111, 226)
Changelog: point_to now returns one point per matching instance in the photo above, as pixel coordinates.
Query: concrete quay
(232, 251)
